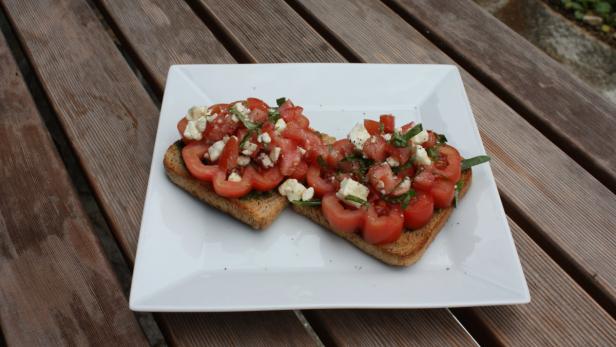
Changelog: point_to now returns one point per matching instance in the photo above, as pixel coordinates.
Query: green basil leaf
(273, 115)
(433, 153)
(281, 101)
(401, 140)
(311, 202)
(246, 137)
(456, 194)
(356, 199)
(250, 125)
(480, 159)
(440, 138)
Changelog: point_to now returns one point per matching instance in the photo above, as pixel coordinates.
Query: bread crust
(258, 211)
(408, 248)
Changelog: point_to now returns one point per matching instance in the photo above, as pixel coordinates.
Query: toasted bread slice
(408, 248)
(256, 210)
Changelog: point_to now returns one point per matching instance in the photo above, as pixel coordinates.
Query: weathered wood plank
(269, 49)
(578, 117)
(56, 286)
(388, 328)
(560, 312)
(110, 120)
(570, 209)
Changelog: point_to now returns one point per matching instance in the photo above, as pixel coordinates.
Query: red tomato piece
(389, 123)
(230, 189)
(401, 154)
(219, 109)
(383, 229)
(192, 154)
(300, 172)
(264, 180)
(285, 106)
(419, 211)
(340, 150)
(220, 127)
(431, 140)
(373, 127)
(442, 192)
(291, 113)
(258, 115)
(424, 181)
(321, 186)
(254, 104)
(289, 158)
(302, 121)
(228, 157)
(382, 173)
(449, 164)
(340, 218)
(406, 127)
(375, 148)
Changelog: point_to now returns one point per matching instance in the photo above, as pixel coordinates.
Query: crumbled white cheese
(264, 138)
(239, 107)
(301, 150)
(275, 154)
(349, 186)
(211, 117)
(196, 123)
(308, 194)
(280, 125)
(403, 187)
(243, 160)
(421, 156)
(292, 189)
(358, 136)
(393, 162)
(196, 112)
(234, 118)
(216, 149)
(234, 177)
(387, 137)
(265, 161)
(380, 185)
(249, 148)
(420, 138)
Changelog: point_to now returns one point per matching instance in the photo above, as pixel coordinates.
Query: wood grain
(56, 286)
(111, 121)
(569, 208)
(580, 118)
(388, 328)
(560, 312)
(274, 45)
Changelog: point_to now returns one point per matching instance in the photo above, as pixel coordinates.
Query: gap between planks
(78, 179)
(576, 153)
(558, 255)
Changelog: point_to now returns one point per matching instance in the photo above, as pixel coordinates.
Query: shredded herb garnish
(250, 125)
(468, 163)
(404, 166)
(433, 153)
(246, 137)
(440, 138)
(311, 202)
(402, 140)
(281, 101)
(273, 115)
(403, 199)
(356, 199)
(364, 163)
(456, 195)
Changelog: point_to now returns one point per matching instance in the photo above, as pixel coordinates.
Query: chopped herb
(403, 199)
(364, 163)
(456, 195)
(311, 202)
(322, 162)
(440, 138)
(246, 137)
(281, 101)
(403, 167)
(250, 125)
(480, 159)
(356, 199)
(273, 115)
(433, 153)
(402, 140)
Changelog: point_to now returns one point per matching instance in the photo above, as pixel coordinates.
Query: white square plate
(193, 258)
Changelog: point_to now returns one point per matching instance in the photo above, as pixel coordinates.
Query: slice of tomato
(424, 181)
(442, 191)
(382, 173)
(192, 155)
(300, 171)
(431, 140)
(256, 104)
(340, 218)
(389, 123)
(373, 127)
(340, 150)
(419, 210)
(375, 148)
(264, 180)
(383, 229)
(230, 189)
(449, 164)
(228, 157)
(321, 186)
